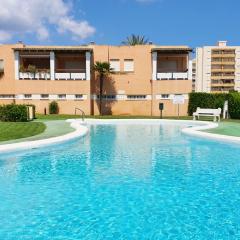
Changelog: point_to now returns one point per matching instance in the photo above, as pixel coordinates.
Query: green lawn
(65, 116)
(16, 130)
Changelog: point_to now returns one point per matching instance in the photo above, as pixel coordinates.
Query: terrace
(52, 64)
(171, 64)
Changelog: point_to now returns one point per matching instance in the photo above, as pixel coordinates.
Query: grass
(16, 130)
(65, 116)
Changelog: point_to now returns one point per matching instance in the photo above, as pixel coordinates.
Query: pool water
(123, 182)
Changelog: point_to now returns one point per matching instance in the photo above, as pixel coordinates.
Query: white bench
(215, 113)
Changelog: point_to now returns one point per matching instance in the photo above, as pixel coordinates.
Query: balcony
(45, 64)
(172, 65)
(70, 66)
(172, 76)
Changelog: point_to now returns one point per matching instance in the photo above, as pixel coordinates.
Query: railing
(174, 75)
(82, 112)
(70, 75)
(37, 75)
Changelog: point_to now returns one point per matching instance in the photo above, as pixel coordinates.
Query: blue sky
(166, 22)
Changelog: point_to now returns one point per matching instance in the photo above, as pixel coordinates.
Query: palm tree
(135, 40)
(103, 69)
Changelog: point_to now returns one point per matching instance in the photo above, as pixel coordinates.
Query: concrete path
(226, 128)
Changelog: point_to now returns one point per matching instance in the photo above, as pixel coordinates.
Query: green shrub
(206, 100)
(13, 113)
(215, 100)
(234, 105)
(53, 107)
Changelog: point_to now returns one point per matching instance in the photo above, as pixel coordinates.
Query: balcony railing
(37, 76)
(70, 74)
(172, 76)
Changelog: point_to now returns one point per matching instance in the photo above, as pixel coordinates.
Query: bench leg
(215, 119)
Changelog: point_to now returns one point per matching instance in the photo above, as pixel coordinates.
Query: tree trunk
(100, 93)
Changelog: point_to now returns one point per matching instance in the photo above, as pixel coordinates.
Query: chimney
(222, 43)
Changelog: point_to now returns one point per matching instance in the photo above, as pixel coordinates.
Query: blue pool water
(123, 182)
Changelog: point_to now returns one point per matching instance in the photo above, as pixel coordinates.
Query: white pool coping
(81, 130)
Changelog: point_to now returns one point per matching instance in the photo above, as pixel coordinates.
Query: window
(136, 97)
(115, 65)
(44, 96)
(61, 96)
(107, 97)
(78, 96)
(7, 96)
(1, 66)
(28, 96)
(128, 65)
(165, 96)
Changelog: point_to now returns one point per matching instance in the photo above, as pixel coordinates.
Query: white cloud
(35, 16)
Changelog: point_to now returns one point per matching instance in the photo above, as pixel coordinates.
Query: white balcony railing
(176, 75)
(28, 75)
(70, 76)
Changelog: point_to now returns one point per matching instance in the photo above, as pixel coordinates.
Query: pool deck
(53, 129)
(227, 128)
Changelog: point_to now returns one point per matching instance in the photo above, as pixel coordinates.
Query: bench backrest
(209, 111)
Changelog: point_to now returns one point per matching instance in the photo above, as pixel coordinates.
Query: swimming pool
(123, 181)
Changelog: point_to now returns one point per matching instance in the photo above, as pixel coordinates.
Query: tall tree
(102, 69)
(135, 40)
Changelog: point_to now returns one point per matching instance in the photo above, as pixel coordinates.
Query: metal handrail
(83, 113)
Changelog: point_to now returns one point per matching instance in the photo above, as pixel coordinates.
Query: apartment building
(218, 68)
(144, 76)
(194, 75)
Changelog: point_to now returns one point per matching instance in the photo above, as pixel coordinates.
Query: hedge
(215, 100)
(13, 113)
(234, 105)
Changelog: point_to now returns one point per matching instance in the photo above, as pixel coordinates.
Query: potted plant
(32, 71)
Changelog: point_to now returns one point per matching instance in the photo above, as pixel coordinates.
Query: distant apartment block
(193, 75)
(218, 68)
(144, 76)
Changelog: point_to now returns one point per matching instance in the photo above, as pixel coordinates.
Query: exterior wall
(65, 106)
(170, 87)
(121, 84)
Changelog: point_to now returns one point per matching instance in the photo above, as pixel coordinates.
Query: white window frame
(44, 96)
(78, 98)
(136, 97)
(128, 65)
(27, 96)
(115, 65)
(62, 96)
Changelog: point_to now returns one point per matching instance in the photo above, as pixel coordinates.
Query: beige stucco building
(218, 68)
(144, 76)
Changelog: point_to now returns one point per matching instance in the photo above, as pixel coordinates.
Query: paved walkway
(227, 128)
(54, 129)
